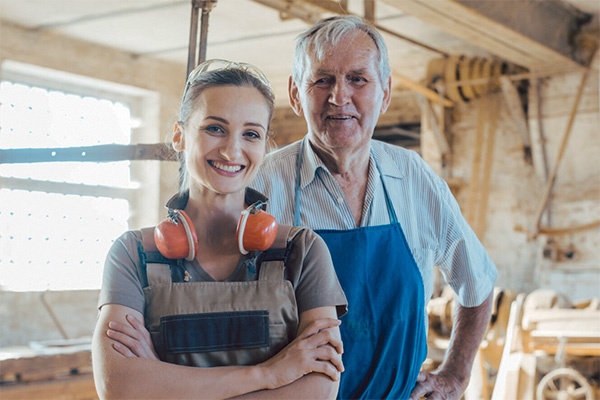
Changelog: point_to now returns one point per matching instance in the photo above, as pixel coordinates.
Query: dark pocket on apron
(192, 333)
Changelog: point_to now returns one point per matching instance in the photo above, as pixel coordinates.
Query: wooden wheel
(450, 77)
(564, 384)
(465, 73)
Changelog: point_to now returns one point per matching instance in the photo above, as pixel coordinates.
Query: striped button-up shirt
(434, 227)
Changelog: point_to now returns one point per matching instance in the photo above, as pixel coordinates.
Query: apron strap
(272, 261)
(388, 200)
(298, 181)
(155, 268)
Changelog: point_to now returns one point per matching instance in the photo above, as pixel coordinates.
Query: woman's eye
(214, 129)
(252, 135)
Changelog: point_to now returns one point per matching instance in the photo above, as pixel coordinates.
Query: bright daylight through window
(58, 219)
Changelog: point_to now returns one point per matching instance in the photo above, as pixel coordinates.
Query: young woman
(215, 322)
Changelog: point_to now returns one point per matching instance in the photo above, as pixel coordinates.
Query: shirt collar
(311, 163)
(386, 163)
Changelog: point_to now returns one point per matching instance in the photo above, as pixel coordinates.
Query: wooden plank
(298, 10)
(508, 358)
(425, 91)
(429, 116)
(100, 153)
(467, 24)
(337, 8)
(476, 162)
(481, 216)
(572, 349)
(564, 314)
(67, 188)
(39, 366)
(76, 387)
(552, 178)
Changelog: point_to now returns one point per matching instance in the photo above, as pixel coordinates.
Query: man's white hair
(320, 38)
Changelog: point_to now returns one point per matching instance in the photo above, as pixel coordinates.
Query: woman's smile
(227, 169)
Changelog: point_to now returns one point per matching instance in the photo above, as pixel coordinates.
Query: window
(59, 219)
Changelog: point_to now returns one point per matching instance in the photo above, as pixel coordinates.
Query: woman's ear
(294, 96)
(178, 137)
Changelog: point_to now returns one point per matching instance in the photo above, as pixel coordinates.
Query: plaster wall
(572, 266)
(24, 318)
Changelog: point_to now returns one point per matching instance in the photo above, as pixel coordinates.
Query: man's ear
(178, 137)
(387, 96)
(294, 96)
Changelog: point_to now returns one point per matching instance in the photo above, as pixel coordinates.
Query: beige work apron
(209, 324)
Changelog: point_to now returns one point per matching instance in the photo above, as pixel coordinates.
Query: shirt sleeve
(120, 281)
(462, 259)
(313, 276)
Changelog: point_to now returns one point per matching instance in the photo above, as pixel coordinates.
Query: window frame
(144, 107)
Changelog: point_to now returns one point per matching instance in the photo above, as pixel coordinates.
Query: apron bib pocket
(215, 331)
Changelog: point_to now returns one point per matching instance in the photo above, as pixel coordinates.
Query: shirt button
(340, 200)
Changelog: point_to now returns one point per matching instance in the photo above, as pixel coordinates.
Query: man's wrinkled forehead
(316, 58)
(319, 50)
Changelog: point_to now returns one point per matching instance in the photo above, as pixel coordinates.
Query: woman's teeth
(226, 168)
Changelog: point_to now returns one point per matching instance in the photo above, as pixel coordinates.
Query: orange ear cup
(255, 232)
(176, 237)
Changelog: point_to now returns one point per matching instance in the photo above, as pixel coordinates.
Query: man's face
(342, 96)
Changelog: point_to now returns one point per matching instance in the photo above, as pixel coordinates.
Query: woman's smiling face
(225, 138)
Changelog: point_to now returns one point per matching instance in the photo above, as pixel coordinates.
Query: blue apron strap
(297, 191)
(388, 200)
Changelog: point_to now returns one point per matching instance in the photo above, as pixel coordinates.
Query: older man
(386, 217)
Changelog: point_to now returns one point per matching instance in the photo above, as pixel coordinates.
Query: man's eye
(322, 81)
(358, 79)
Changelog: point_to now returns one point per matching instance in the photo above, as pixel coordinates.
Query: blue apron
(383, 332)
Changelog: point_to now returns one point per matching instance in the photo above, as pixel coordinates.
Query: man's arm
(452, 378)
(137, 376)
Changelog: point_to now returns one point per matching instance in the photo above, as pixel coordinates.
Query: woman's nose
(231, 148)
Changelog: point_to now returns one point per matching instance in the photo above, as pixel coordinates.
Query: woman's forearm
(121, 377)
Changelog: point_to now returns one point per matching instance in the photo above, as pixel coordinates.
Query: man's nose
(340, 93)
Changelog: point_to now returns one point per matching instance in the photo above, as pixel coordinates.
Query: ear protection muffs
(176, 237)
(256, 229)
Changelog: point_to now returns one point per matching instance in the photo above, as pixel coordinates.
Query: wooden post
(515, 109)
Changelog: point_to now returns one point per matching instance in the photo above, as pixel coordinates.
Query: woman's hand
(318, 348)
(132, 340)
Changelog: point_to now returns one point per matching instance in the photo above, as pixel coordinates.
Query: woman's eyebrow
(223, 120)
(250, 123)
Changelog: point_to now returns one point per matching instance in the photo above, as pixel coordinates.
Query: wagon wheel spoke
(579, 393)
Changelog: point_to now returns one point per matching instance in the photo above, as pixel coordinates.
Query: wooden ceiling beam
(510, 43)
(294, 9)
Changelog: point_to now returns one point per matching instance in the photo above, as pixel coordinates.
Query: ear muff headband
(175, 237)
(241, 229)
(188, 232)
